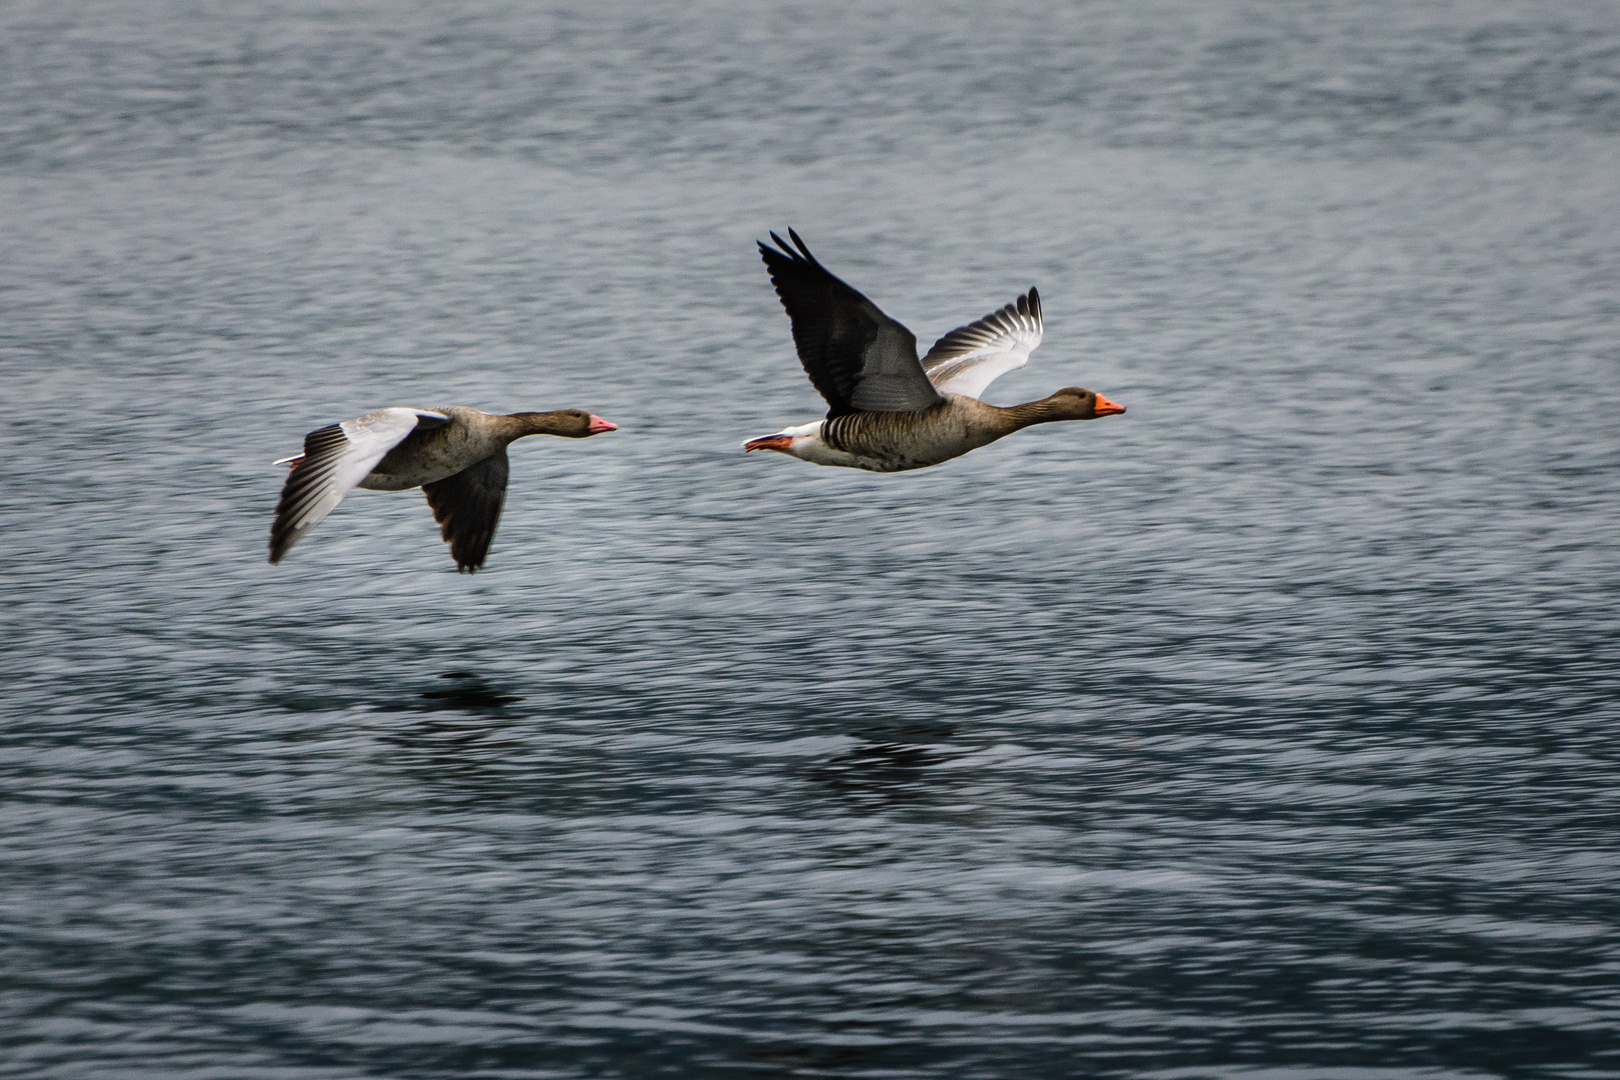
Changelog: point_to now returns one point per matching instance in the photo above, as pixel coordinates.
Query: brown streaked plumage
(887, 410)
(456, 455)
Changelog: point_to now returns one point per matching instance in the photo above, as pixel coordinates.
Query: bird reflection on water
(890, 766)
(464, 749)
(469, 692)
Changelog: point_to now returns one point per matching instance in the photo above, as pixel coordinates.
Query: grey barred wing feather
(335, 459)
(467, 507)
(968, 359)
(858, 358)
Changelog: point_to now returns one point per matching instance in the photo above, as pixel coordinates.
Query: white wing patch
(335, 459)
(968, 359)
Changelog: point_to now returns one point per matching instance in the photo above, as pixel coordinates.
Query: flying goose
(889, 411)
(456, 455)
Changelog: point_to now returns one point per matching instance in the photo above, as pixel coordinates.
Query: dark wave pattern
(1265, 731)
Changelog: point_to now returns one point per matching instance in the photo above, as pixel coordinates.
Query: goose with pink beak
(455, 454)
(889, 411)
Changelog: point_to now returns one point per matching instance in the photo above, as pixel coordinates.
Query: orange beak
(769, 442)
(1108, 408)
(599, 425)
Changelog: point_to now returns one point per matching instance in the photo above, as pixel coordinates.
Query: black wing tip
(1029, 304)
(470, 554)
(798, 250)
(281, 542)
(775, 256)
(470, 562)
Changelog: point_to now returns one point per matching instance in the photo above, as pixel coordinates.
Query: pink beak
(599, 425)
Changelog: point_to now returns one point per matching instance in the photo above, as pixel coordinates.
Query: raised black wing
(857, 357)
(467, 507)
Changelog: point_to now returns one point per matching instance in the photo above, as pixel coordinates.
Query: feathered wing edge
(309, 493)
(968, 359)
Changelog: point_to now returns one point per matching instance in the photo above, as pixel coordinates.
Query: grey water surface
(1265, 731)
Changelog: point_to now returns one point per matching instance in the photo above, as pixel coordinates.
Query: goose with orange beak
(889, 411)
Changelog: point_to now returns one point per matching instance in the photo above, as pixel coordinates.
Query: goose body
(894, 441)
(455, 454)
(888, 410)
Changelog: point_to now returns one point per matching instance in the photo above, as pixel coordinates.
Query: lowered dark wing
(467, 507)
(857, 357)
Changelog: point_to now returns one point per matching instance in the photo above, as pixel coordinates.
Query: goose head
(1078, 403)
(565, 423)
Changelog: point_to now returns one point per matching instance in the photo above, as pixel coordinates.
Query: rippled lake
(1267, 731)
